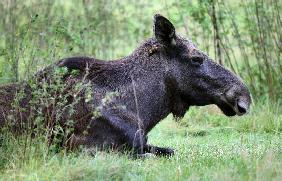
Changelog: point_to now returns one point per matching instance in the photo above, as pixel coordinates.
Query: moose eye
(197, 61)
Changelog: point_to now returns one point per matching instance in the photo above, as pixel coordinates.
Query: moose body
(166, 74)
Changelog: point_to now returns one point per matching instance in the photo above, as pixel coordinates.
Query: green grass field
(209, 146)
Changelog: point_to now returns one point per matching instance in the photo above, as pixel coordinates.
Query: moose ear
(164, 30)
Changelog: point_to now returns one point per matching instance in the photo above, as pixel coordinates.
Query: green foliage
(49, 124)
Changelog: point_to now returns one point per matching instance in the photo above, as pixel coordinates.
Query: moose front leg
(159, 151)
(134, 136)
(128, 129)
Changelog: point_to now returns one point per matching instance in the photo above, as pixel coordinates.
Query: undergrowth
(209, 146)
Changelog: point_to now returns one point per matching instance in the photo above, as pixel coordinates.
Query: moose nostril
(241, 108)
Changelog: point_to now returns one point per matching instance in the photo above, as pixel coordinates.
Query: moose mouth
(230, 109)
(227, 109)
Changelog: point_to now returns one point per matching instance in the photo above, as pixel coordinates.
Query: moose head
(200, 80)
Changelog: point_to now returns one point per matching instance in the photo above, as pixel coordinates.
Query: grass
(209, 146)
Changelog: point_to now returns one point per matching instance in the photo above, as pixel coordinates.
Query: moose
(165, 74)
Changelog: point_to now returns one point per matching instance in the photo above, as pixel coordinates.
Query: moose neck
(155, 86)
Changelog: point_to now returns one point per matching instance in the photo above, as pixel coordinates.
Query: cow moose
(165, 74)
